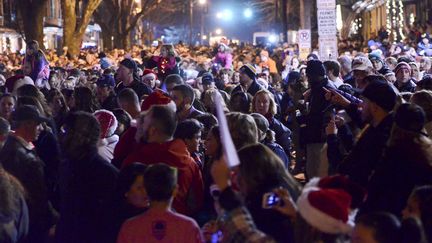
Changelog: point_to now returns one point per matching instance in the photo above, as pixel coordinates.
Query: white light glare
(247, 13)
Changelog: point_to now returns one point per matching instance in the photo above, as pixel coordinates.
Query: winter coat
(87, 188)
(403, 167)
(20, 160)
(174, 153)
(366, 153)
(224, 59)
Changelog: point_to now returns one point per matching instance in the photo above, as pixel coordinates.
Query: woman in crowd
(419, 206)
(7, 106)
(58, 106)
(36, 65)
(84, 100)
(267, 137)
(108, 138)
(208, 99)
(261, 171)
(264, 104)
(240, 102)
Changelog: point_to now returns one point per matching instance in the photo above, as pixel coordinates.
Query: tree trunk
(126, 41)
(32, 14)
(107, 39)
(305, 14)
(73, 30)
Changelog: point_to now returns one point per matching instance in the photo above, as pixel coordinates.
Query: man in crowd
(155, 133)
(19, 158)
(105, 92)
(332, 71)
(404, 82)
(379, 100)
(127, 77)
(319, 112)
(248, 81)
(184, 96)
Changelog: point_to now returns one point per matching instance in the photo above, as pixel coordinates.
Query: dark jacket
(367, 152)
(110, 103)
(319, 114)
(409, 86)
(14, 225)
(253, 89)
(87, 188)
(139, 88)
(404, 167)
(23, 163)
(279, 151)
(283, 135)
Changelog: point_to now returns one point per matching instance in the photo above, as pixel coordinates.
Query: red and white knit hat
(327, 204)
(158, 97)
(108, 122)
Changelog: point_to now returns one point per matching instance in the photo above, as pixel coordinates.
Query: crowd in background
(126, 146)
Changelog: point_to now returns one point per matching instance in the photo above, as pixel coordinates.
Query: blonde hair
(243, 129)
(272, 108)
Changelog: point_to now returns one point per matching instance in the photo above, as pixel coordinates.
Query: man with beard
(184, 96)
(248, 81)
(155, 131)
(379, 99)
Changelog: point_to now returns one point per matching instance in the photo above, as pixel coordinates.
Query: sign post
(304, 42)
(327, 30)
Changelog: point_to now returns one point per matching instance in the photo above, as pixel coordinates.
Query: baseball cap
(207, 78)
(361, 64)
(106, 81)
(381, 93)
(28, 113)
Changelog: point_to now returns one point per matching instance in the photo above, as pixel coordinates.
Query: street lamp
(202, 2)
(204, 37)
(248, 13)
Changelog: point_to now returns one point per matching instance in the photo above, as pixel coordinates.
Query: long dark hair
(80, 135)
(262, 170)
(85, 100)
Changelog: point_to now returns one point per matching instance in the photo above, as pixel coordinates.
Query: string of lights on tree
(395, 19)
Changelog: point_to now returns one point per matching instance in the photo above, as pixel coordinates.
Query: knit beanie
(315, 68)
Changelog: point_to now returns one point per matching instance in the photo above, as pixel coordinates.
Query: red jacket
(125, 146)
(190, 193)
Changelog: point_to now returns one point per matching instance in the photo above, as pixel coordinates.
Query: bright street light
(272, 38)
(226, 14)
(204, 37)
(248, 13)
(202, 2)
(218, 31)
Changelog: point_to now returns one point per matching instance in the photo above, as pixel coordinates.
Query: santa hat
(149, 73)
(326, 209)
(158, 97)
(108, 122)
(329, 203)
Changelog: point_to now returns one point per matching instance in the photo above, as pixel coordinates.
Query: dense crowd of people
(128, 146)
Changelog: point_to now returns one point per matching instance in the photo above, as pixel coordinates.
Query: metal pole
(202, 26)
(190, 21)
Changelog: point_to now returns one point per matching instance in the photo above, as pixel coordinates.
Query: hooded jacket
(174, 153)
